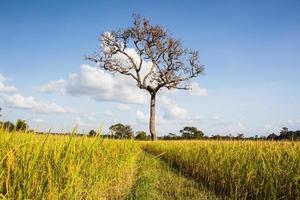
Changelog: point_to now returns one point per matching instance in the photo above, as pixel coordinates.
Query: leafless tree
(159, 61)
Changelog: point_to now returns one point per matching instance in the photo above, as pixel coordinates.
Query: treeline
(192, 133)
(285, 134)
(19, 125)
(121, 131)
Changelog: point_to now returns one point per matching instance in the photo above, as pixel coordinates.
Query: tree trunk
(152, 117)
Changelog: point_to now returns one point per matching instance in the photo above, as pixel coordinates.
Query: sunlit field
(237, 169)
(65, 167)
(149, 100)
(71, 167)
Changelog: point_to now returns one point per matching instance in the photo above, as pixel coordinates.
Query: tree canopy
(21, 125)
(191, 132)
(121, 131)
(141, 135)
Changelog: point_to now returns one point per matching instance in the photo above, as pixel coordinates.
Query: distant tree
(285, 134)
(121, 131)
(239, 136)
(172, 136)
(216, 137)
(21, 125)
(284, 131)
(92, 133)
(272, 136)
(0, 111)
(31, 131)
(190, 132)
(141, 135)
(168, 64)
(296, 135)
(8, 126)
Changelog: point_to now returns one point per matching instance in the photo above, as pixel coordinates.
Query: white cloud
(197, 90)
(100, 85)
(6, 88)
(103, 85)
(54, 86)
(11, 98)
(171, 109)
(19, 101)
(171, 112)
(123, 107)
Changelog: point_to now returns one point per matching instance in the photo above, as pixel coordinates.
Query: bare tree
(159, 60)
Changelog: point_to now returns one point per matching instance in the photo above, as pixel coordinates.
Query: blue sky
(251, 51)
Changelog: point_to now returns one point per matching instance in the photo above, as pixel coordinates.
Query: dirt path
(156, 180)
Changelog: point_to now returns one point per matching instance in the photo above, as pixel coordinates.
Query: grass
(156, 180)
(70, 167)
(237, 169)
(65, 167)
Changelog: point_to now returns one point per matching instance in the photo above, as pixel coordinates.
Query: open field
(69, 167)
(65, 167)
(237, 169)
(149, 100)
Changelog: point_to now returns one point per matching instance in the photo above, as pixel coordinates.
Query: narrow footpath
(157, 181)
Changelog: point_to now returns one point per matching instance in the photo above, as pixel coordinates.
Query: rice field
(65, 167)
(237, 169)
(69, 167)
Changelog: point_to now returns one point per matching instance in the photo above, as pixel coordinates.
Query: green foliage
(21, 125)
(121, 131)
(8, 126)
(190, 132)
(156, 181)
(284, 131)
(92, 133)
(142, 135)
(285, 134)
(239, 136)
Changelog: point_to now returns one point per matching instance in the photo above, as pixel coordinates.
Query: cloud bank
(99, 85)
(12, 98)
